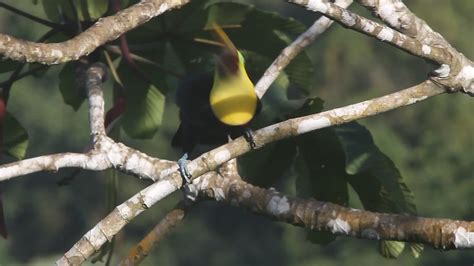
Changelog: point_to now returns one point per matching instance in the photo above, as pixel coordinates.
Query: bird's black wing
(198, 123)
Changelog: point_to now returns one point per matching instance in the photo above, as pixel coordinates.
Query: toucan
(216, 106)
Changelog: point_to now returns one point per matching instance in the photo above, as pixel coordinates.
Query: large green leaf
(144, 105)
(73, 94)
(376, 180)
(15, 137)
(366, 161)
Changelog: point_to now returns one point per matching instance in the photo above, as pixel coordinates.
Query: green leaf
(375, 179)
(416, 249)
(88, 10)
(15, 137)
(320, 167)
(144, 105)
(96, 8)
(375, 176)
(391, 249)
(71, 92)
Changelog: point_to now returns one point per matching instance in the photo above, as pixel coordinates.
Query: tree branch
(105, 154)
(397, 15)
(324, 216)
(158, 233)
(104, 30)
(458, 71)
(358, 23)
(292, 50)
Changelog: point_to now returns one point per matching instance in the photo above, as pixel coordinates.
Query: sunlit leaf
(144, 105)
(391, 249)
(416, 249)
(96, 8)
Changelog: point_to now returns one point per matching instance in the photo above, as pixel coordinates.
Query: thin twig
(158, 233)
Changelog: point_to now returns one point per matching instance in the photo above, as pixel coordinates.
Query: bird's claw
(249, 138)
(183, 169)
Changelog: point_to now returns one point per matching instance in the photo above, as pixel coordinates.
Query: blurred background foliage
(431, 144)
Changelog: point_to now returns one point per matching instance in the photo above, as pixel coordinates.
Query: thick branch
(105, 30)
(316, 215)
(292, 50)
(457, 71)
(397, 15)
(460, 72)
(376, 30)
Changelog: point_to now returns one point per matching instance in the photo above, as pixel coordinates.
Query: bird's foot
(183, 169)
(249, 138)
(189, 190)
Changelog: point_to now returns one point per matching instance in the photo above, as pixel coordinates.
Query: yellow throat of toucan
(233, 99)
